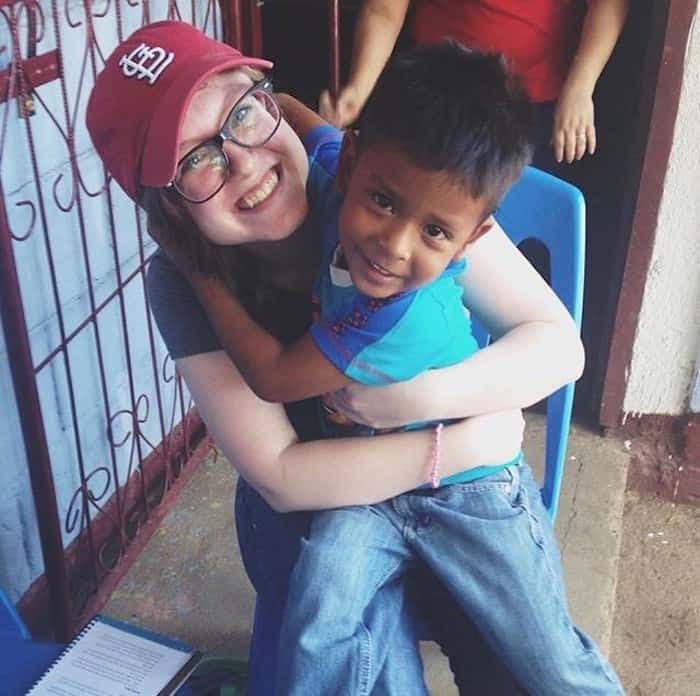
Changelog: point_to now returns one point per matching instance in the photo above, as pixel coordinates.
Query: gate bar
(33, 434)
(334, 47)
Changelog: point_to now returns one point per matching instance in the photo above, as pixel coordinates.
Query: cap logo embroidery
(146, 63)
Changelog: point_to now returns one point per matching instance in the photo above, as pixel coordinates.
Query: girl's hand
(573, 133)
(493, 438)
(386, 407)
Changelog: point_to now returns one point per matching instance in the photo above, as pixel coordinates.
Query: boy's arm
(302, 119)
(274, 372)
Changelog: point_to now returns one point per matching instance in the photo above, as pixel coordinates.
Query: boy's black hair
(452, 109)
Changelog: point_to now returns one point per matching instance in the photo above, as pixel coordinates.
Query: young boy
(443, 136)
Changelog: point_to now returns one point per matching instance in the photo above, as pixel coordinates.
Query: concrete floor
(189, 582)
(656, 628)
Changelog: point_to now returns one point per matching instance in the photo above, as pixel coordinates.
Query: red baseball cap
(140, 98)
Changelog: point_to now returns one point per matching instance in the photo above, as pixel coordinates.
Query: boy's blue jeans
(269, 544)
(491, 543)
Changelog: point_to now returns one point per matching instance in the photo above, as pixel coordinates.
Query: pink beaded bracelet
(434, 479)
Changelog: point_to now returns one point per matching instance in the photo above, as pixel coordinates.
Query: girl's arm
(261, 444)
(536, 351)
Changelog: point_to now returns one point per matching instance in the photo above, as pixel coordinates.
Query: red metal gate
(91, 377)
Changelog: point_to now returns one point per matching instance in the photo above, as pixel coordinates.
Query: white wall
(666, 348)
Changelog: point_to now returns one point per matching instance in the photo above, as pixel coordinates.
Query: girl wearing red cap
(188, 127)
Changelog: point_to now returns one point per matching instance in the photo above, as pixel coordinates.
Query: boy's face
(400, 225)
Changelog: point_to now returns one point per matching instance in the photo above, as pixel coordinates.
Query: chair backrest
(539, 206)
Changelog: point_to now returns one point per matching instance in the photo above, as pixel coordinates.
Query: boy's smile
(400, 225)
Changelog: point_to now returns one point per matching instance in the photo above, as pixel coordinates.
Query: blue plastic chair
(22, 660)
(541, 207)
(11, 622)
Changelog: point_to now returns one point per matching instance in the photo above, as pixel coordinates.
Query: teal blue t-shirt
(380, 341)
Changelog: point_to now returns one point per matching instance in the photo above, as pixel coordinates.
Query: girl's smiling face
(264, 198)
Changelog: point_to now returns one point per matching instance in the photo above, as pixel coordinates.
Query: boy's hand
(388, 406)
(342, 112)
(302, 119)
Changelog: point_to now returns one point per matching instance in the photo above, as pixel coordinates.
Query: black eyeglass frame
(265, 85)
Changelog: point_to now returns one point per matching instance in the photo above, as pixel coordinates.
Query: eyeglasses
(252, 121)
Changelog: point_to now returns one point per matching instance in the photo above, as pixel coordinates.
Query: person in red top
(538, 36)
(558, 47)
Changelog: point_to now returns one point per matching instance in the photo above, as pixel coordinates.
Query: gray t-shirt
(186, 330)
(182, 322)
